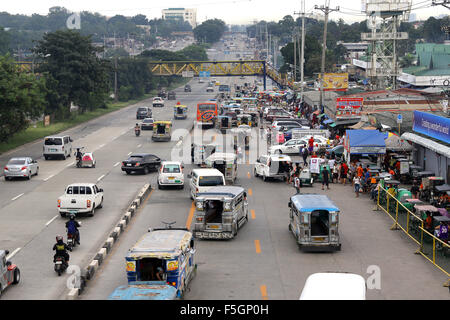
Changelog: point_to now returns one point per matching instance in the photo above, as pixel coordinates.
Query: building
(189, 15)
(431, 142)
(432, 68)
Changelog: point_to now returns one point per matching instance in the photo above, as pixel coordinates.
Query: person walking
(325, 177)
(344, 172)
(357, 183)
(305, 154)
(297, 184)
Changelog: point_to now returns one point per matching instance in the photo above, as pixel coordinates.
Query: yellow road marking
(190, 216)
(248, 175)
(253, 214)
(257, 246)
(263, 290)
(250, 192)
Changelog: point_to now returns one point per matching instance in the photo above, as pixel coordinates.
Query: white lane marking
(100, 178)
(53, 219)
(139, 146)
(116, 164)
(129, 153)
(46, 179)
(101, 146)
(70, 164)
(15, 198)
(12, 254)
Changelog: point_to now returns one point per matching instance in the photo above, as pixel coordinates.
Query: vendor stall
(369, 144)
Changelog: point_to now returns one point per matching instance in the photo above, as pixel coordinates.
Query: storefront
(431, 142)
(364, 143)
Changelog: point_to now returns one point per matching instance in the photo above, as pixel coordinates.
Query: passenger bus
(207, 113)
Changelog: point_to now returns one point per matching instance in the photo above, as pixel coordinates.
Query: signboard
(335, 81)
(172, 265)
(431, 125)
(204, 74)
(348, 107)
(314, 166)
(300, 133)
(368, 150)
(404, 167)
(187, 74)
(131, 266)
(399, 119)
(46, 121)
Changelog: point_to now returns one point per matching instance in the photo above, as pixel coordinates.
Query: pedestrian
(357, 183)
(344, 172)
(335, 173)
(297, 184)
(325, 177)
(305, 154)
(311, 144)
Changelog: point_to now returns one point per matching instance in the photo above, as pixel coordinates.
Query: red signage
(348, 107)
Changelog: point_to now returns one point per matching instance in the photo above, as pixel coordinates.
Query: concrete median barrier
(89, 272)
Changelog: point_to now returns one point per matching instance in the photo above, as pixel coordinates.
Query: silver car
(21, 167)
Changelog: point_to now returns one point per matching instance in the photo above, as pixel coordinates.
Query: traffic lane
(366, 241)
(166, 205)
(241, 268)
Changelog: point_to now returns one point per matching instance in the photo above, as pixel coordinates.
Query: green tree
(76, 73)
(22, 98)
(210, 31)
(5, 41)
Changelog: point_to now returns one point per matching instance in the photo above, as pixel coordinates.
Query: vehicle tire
(59, 272)
(278, 151)
(159, 186)
(91, 214)
(93, 166)
(63, 215)
(254, 173)
(7, 178)
(146, 170)
(128, 172)
(182, 187)
(264, 178)
(16, 278)
(37, 171)
(46, 157)
(235, 229)
(64, 157)
(29, 175)
(101, 204)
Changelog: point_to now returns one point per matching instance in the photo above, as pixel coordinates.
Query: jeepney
(220, 212)
(180, 111)
(162, 131)
(224, 123)
(225, 163)
(244, 119)
(314, 221)
(159, 266)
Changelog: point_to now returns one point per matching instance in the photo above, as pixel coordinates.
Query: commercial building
(189, 15)
(431, 141)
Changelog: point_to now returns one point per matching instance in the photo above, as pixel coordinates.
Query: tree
(5, 41)
(22, 98)
(194, 52)
(75, 72)
(210, 31)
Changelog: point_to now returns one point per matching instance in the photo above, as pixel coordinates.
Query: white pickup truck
(80, 198)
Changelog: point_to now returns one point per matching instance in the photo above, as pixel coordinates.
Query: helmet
(59, 238)
(136, 124)
(72, 216)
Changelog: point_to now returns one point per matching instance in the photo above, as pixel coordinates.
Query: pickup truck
(80, 198)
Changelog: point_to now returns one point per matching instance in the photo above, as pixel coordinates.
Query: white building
(189, 15)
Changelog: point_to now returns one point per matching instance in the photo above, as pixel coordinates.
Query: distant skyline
(231, 11)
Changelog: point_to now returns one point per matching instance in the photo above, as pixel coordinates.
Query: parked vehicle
(9, 273)
(314, 221)
(171, 174)
(220, 212)
(272, 166)
(225, 163)
(147, 124)
(23, 167)
(334, 286)
(162, 131)
(143, 112)
(57, 147)
(160, 266)
(158, 102)
(289, 147)
(80, 198)
(201, 180)
(142, 162)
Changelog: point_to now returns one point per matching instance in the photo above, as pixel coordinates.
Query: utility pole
(302, 53)
(295, 56)
(115, 79)
(326, 10)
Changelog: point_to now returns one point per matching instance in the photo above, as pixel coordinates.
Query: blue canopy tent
(364, 142)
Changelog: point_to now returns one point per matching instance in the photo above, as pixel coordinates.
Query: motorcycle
(71, 241)
(137, 132)
(78, 157)
(60, 265)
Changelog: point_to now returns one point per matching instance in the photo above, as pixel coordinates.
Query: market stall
(367, 144)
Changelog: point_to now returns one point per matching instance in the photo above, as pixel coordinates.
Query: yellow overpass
(219, 69)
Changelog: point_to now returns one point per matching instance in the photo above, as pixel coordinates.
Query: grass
(35, 133)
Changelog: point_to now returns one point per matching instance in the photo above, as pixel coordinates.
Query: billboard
(335, 81)
(432, 125)
(348, 107)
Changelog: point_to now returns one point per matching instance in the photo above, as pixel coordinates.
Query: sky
(231, 11)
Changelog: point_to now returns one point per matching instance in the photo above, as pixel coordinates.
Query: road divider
(89, 272)
(257, 246)
(12, 254)
(253, 214)
(17, 197)
(100, 178)
(53, 219)
(48, 178)
(116, 164)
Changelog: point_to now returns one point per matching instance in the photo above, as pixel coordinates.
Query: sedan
(142, 162)
(21, 167)
(147, 124)
(289, 147)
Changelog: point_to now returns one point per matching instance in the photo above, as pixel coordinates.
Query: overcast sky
(231, 11)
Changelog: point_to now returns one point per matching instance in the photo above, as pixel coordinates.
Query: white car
(21, 168)
(272, 166)
(289, 147)
(171, 174)
(80, 198)
(210, 89)
(158, 102)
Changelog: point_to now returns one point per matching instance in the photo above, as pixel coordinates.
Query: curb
(89, 272)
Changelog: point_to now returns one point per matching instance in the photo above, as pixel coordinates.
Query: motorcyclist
(61, 249)
(78, 155)
(72, 228)
(137, 129)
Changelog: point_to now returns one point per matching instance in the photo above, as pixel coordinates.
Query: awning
(427, 143)
(365, 141)
(395, 143)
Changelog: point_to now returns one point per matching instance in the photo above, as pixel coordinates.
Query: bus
(207, 114)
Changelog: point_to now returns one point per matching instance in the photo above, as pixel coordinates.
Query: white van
(57, 146)
(334, 286)
(201, 180)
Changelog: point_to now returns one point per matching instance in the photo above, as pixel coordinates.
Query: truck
(80, 198)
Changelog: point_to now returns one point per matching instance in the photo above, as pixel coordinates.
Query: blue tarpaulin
(365, 142)
(328, 121)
